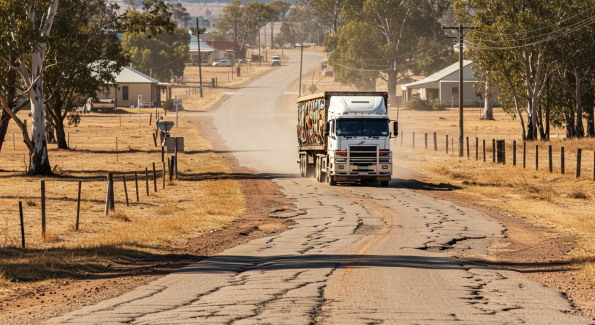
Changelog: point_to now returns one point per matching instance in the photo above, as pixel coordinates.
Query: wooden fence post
(402, 136)
(107, 198)
(493, 150)
(154, 178)
(562, 160)
(467, 147)
(78, 206)
(435, 142)
(43, 208)
(514, 153)
(22, 224)
(476, 149)
(579, 152)
(426, 140)
(484, 150)
(536, 157)
(117, 149)
(171, 169)
(549, 153)
(136, 184)
(447, 144)
(110, 178)
(524, 153)
(125, 190)
(147, 179)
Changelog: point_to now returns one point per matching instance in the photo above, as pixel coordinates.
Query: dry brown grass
(187, 207)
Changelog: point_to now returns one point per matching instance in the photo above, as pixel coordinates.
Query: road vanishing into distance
(356, 254)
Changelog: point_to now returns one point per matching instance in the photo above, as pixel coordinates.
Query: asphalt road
(356, 255)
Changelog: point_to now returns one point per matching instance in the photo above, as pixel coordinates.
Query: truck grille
(363, 155)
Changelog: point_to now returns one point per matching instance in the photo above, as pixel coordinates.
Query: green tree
(397, 28)
(276, 11)
(179, 14)
(164, 53)
(516, 41)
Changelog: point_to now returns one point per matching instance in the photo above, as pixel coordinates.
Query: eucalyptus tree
(397, 29)
(516, 41)
(241, 22)
(276, 11)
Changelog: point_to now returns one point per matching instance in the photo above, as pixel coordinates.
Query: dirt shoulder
(543, 253)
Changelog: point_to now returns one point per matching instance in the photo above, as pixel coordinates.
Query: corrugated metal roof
(129, 75)
(204, 47)
(440, 74)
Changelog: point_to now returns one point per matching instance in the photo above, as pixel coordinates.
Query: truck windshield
(358, 128)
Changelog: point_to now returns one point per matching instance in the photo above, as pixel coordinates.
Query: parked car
(276, 60)
(222, 63)
(101, 103)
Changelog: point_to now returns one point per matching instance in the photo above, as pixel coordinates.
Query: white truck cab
(355, 143)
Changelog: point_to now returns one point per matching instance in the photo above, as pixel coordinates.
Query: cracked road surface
(356, 255)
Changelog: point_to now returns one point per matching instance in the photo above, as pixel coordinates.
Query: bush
(168, 105)
(418, 104)
(439, 106)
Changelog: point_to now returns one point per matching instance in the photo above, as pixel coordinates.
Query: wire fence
(563, 157)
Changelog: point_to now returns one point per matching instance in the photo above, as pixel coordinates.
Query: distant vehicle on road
(276, 60)
(222, 63)
(102, 103)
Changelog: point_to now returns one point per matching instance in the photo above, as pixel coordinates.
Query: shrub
(439, 105)
(168, 105)
(418, 104)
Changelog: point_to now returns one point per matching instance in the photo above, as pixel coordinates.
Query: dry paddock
(205, 197)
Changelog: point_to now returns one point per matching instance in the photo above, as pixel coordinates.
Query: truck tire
(331, 180)
(302, 166)
(310, 169)
(320, 171)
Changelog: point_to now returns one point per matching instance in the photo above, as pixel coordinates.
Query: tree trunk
(590, 120)
(547, 112)
(488, 111)
(580, 132)
(392, 82)
(60, 134)
(272, 30)
(10, 97)
(570, 131)
(39, 161)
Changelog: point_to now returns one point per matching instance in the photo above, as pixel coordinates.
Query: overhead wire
(483, 47)
(391, 68)
(435, 42)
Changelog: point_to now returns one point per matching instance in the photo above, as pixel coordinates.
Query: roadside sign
(312, 89)
(171, 144)
(165, 126)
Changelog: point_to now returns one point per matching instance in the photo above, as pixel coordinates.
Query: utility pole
(461, 30)
(199, 59)
(301, 60)
(259, 42)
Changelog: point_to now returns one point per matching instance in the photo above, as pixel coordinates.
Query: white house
(444, 86)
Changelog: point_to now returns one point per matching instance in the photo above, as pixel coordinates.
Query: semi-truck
(345, 137)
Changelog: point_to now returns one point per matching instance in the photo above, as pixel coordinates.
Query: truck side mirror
(396, 126)
(327, 128)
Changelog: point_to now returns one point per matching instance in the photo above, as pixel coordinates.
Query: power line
(538, 29)
(391, 68)
(394, 57)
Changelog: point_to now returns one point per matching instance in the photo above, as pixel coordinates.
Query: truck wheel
(310, 172)
(302, 166)
(318, 173)
(383, 183)
(331, 180)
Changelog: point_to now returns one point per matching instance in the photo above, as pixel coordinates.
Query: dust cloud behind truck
(345, 137)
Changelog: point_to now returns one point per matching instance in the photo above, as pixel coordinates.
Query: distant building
(444, 86)
(131, 83)
(226, 50)
(206, 51)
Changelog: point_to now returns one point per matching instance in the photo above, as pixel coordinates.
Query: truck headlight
(340, 166)
(384, 166)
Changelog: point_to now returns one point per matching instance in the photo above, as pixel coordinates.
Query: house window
(124, 92)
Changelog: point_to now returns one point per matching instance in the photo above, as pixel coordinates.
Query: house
(133, 87)
(226, 50)
(206, 51)
(444, 86)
